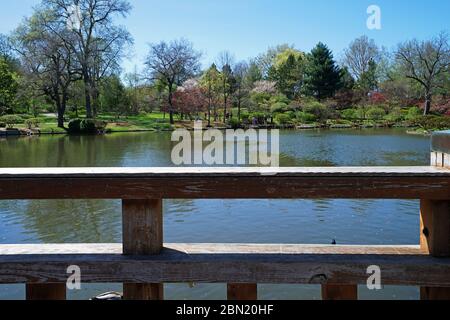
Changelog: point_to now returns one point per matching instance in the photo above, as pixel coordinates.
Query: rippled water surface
(230, 221)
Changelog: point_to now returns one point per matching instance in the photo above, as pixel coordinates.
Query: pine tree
(369, 79)
(322, 75)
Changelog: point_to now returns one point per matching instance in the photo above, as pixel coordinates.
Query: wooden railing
(143, 263)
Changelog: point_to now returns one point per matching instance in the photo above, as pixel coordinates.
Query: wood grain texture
(48, 291)
(242, 291)
(438, 293)
(220, 183)
(339, 292)
(142, 222)
(208, 263)
(435, 240)
(142, 227)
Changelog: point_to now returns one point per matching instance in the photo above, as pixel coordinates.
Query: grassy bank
(158, 121)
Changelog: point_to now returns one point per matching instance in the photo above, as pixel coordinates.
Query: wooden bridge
(143, 262)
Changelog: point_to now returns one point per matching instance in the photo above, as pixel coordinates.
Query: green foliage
(369, 79)
(32, 122)
(349, 114)
(114, 96)
(322, 75)
(234, 123)
(282, 119)
(8, 87)
(85, 126)
(305, 117)
(396, 115)
(11, 120)
(432, 123)
(2, 124)
(279, 107)
(413, 113)
(319, 110)
(375, 113)
(287, 72)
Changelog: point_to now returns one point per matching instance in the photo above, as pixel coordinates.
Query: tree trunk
(225, 99)
(170, 104)
(60, 110)
(427, 106)
(87, 93)
(239, 110)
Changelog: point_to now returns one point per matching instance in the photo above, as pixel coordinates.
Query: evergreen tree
(369, 80)
(322, 75)
(288, 75)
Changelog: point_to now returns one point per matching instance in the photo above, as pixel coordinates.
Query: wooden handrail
(222, 263)
(221, 183)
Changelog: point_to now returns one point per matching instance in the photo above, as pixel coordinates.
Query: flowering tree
(189, 99)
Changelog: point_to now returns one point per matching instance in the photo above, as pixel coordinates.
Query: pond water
(209, 221)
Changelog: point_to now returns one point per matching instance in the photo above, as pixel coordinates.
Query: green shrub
(86, 126)
(234, 123)
(375, 113)
(260, 117)
(413, 113)
(319, 110)
(395, 115)
(279, 107)
(282, 119)
(245, 117)
(305, 117)
(32, 122)
(11, 120)
(432, 123)
(2, 125)
(349, 114)
(74, 126)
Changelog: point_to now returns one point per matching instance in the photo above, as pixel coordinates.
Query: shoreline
(412, 131)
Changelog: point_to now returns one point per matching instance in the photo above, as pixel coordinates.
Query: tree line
(68, 54)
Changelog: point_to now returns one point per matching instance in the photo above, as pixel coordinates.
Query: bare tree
(97, 41)
(46, 60)
(172, 63)
(225, 63)
(425, 62)
(240, 74)
(359, 55)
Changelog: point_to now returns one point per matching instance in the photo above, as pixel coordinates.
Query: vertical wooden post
(242, 291)
(47, 291)
(339, 292)
(435, 240)
(142, 235)
(435, 217)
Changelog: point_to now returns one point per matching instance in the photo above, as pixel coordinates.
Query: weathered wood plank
(339, 292)
(142, 222)
(211, 183)
(435, 240)
(404, 265)
(48, 291)
(242, 291)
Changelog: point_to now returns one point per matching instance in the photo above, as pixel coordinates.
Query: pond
(209, 221)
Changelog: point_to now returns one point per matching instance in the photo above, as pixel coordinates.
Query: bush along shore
(314, 116)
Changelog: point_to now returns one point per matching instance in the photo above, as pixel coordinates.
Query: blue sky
(248, 27)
